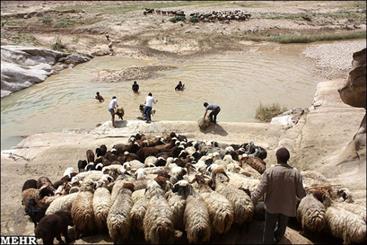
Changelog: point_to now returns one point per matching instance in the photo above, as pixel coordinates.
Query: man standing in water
(99, 97)
(112, 106)
(282, 185)
(215, 109)
(148, 106)
(135, 87)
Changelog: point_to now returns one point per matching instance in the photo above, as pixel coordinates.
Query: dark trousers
(148, 113)
(213, 115)
(275, 225)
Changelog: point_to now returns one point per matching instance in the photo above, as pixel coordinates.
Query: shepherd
(215, 109)
(112, 106)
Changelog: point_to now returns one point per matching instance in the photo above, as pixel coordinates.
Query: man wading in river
(112, 106)
(282, 185)
(215, 109)
(148, 106)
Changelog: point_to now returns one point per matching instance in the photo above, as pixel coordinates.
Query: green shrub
(64, 23)
(58, 45)
(266, 112)
(46, 19)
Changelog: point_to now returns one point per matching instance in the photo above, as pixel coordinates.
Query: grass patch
(46, 20)
(58, 45)
(24, 38)
(266, 112)
(64, 23)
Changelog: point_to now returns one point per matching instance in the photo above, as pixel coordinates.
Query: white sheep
(357, 209)
(62, 203)
(221, 211)
(101, 206)
(93, 174)
(242, 203)
(158, 219)
(311, 214)
(118, 219)
(196, 219)
(149, 161)
(346, 225)
(82, 209)
(138, 210)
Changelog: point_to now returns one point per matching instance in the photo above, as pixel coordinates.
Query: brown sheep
(43, 181)
(255, 162)
(54, 225)
(90, 156)
(30, 183)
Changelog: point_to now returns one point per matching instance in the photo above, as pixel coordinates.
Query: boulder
(354, 91)
(354, 94)
(75, 59)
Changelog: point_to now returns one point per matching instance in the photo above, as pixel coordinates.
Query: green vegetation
(58, 45)
(46, 20)
(24, 38)
(266, 112)
(64, 23)
(177, 18)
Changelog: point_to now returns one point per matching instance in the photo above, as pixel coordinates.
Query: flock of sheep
(170, 188)
(213, 16)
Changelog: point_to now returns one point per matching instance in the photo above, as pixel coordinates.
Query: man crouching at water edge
(282, 185)
(112, 106)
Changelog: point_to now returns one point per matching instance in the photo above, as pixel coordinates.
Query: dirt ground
(315, 142)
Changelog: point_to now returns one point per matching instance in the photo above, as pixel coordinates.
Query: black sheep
(101, 151)
(54, 225)
(34, 211)
(30, 183)
(81, 165)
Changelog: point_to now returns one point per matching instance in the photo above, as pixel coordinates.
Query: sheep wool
(82, 210)
(177, 204)
(197, 220)
(138, 210)
(311, 214)
(118, 219)
(158, 220)
(62, 203)
(101, 206)
(346, 225)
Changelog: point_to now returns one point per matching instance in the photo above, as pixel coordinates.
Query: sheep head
(129, 186)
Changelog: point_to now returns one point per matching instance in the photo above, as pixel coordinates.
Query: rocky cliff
(22, 67)
(354, 94)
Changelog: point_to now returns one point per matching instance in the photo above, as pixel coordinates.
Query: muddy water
(237, 81)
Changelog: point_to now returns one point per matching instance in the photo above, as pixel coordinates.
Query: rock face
(354, 91)
(22, 67)
(354, 94)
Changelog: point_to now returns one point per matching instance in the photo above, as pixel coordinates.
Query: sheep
(114, 170)
(30, 193)
(101, 206)
(34, 211)
(255, 162)
(138, 209)
(346, 225)
(177, 201)
(149, 161)
(158, 220)
(62, 203)
(359, 210)
(43, 181)
(242, 203)
(243, 182)
(311, 214)
(101, 151)
(196, 219)
(30, 183)
(220, 210)
(82, 210)
(81, 165)
(90, 156)
(118, 219)
(81, 176)
(54, 225)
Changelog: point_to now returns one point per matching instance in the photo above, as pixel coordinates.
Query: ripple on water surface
(237, 81)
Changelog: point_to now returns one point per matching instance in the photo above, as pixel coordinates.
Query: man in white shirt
(148, 106)
(112, 106)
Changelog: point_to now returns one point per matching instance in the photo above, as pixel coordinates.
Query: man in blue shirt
(215, 109)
